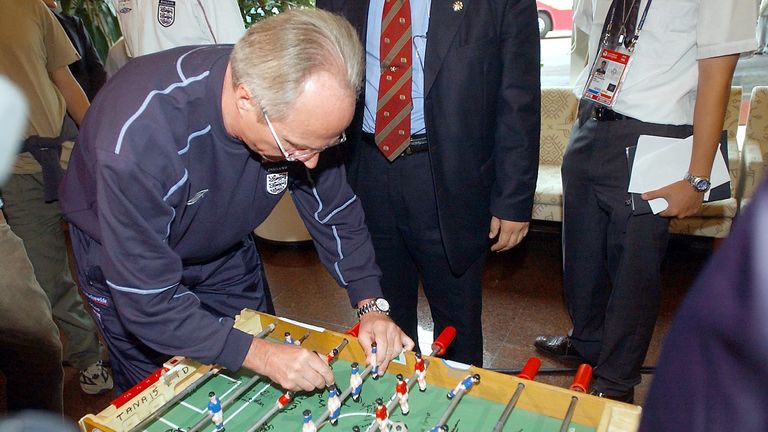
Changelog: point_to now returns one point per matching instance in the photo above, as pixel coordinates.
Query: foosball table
(178, 397)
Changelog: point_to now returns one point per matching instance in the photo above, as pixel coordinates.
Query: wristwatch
(380, 305)
(700, 184)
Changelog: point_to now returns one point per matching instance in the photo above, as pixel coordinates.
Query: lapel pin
(458, 5)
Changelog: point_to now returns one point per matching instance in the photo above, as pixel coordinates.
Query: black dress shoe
(559, 347)
(627, 397)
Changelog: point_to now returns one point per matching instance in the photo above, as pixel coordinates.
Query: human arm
(713, 90)
(75, 98)
(334, 217)
(516, 149)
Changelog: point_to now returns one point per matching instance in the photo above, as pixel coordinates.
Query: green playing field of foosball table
(472, 414)
(176, 396)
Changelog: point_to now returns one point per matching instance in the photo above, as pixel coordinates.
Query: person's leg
(454, 299)
(636, 247)
(585, 276)
(39, 225)
(30, 348)
(377, 190)
(130, 359)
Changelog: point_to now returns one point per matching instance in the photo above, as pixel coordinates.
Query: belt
(603, 113)
(418, 143)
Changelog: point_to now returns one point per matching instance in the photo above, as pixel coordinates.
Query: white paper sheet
(661, 161)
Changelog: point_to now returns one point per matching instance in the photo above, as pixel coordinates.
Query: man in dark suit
(468, 172)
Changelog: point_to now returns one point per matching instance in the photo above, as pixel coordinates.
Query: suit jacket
(482, 113)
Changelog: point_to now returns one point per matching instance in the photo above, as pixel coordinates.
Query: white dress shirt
(660, 84)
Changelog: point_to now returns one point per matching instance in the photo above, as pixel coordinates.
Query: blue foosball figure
(465, 384)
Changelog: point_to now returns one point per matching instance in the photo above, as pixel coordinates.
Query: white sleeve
(725, 27)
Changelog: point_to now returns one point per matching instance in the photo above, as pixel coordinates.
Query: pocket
(672, 26)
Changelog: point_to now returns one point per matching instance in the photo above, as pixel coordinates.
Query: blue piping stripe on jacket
(341, 255)
(139, 290)
(193, 136)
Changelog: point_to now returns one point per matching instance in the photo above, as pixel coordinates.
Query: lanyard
(632, 42)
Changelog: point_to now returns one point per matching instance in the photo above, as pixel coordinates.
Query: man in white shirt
(156, 25)
(679, 76)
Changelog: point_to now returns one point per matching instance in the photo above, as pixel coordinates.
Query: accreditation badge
(606, 76)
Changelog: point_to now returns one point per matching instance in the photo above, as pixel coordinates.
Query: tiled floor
(522, 299)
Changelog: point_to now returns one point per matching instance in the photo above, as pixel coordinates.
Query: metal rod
(192, 387)
(451, 408)
(569, 414)
(237, 393)
(508, 409)
(392, 403)
(287, 396)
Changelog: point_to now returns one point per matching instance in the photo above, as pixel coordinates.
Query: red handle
(530, 369)
(582, 378)
(443, 341)
(354, 330)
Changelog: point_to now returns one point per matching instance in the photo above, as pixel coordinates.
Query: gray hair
(276, 56)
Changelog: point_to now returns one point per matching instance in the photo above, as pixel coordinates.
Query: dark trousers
(401, 213)
(30, 348)
(224, 286)
(612, 258)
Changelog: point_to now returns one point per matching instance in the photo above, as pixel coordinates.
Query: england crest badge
(277, 179)
(166, 12)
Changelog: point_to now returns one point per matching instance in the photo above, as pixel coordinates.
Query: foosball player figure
(355, 428)
(334, 404)
(217, 415)
(421, 372)
(443, 428)
(332, 355)
(382, 416)
(372, 362)
(401, 390)
(309, 425)
(289, 339)
(284, 399)
(356, 382)
(465, 384)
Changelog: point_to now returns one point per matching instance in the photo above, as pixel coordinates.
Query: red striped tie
(393, 111)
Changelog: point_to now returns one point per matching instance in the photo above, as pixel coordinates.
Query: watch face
(702, 185)
(382, 304)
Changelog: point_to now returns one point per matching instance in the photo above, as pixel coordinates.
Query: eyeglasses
(304, 154)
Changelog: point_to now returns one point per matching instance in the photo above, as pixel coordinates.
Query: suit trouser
(224, 287)
(39, 225)
(401, 214)
(30, 348)
(612, 258)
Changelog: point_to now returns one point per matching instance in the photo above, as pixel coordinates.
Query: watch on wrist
(380, 305)
(700, 184)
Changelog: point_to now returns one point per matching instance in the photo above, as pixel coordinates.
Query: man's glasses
(304, 154)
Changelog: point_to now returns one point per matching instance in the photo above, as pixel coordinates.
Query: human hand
(510, 233)
(682, 199)
(390, 340)
(290, 366)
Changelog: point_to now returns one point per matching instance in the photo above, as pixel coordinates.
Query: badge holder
(612, 63)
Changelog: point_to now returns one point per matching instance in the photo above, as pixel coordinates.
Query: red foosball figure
(382, 416)
(421, 372)
(401, 388)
